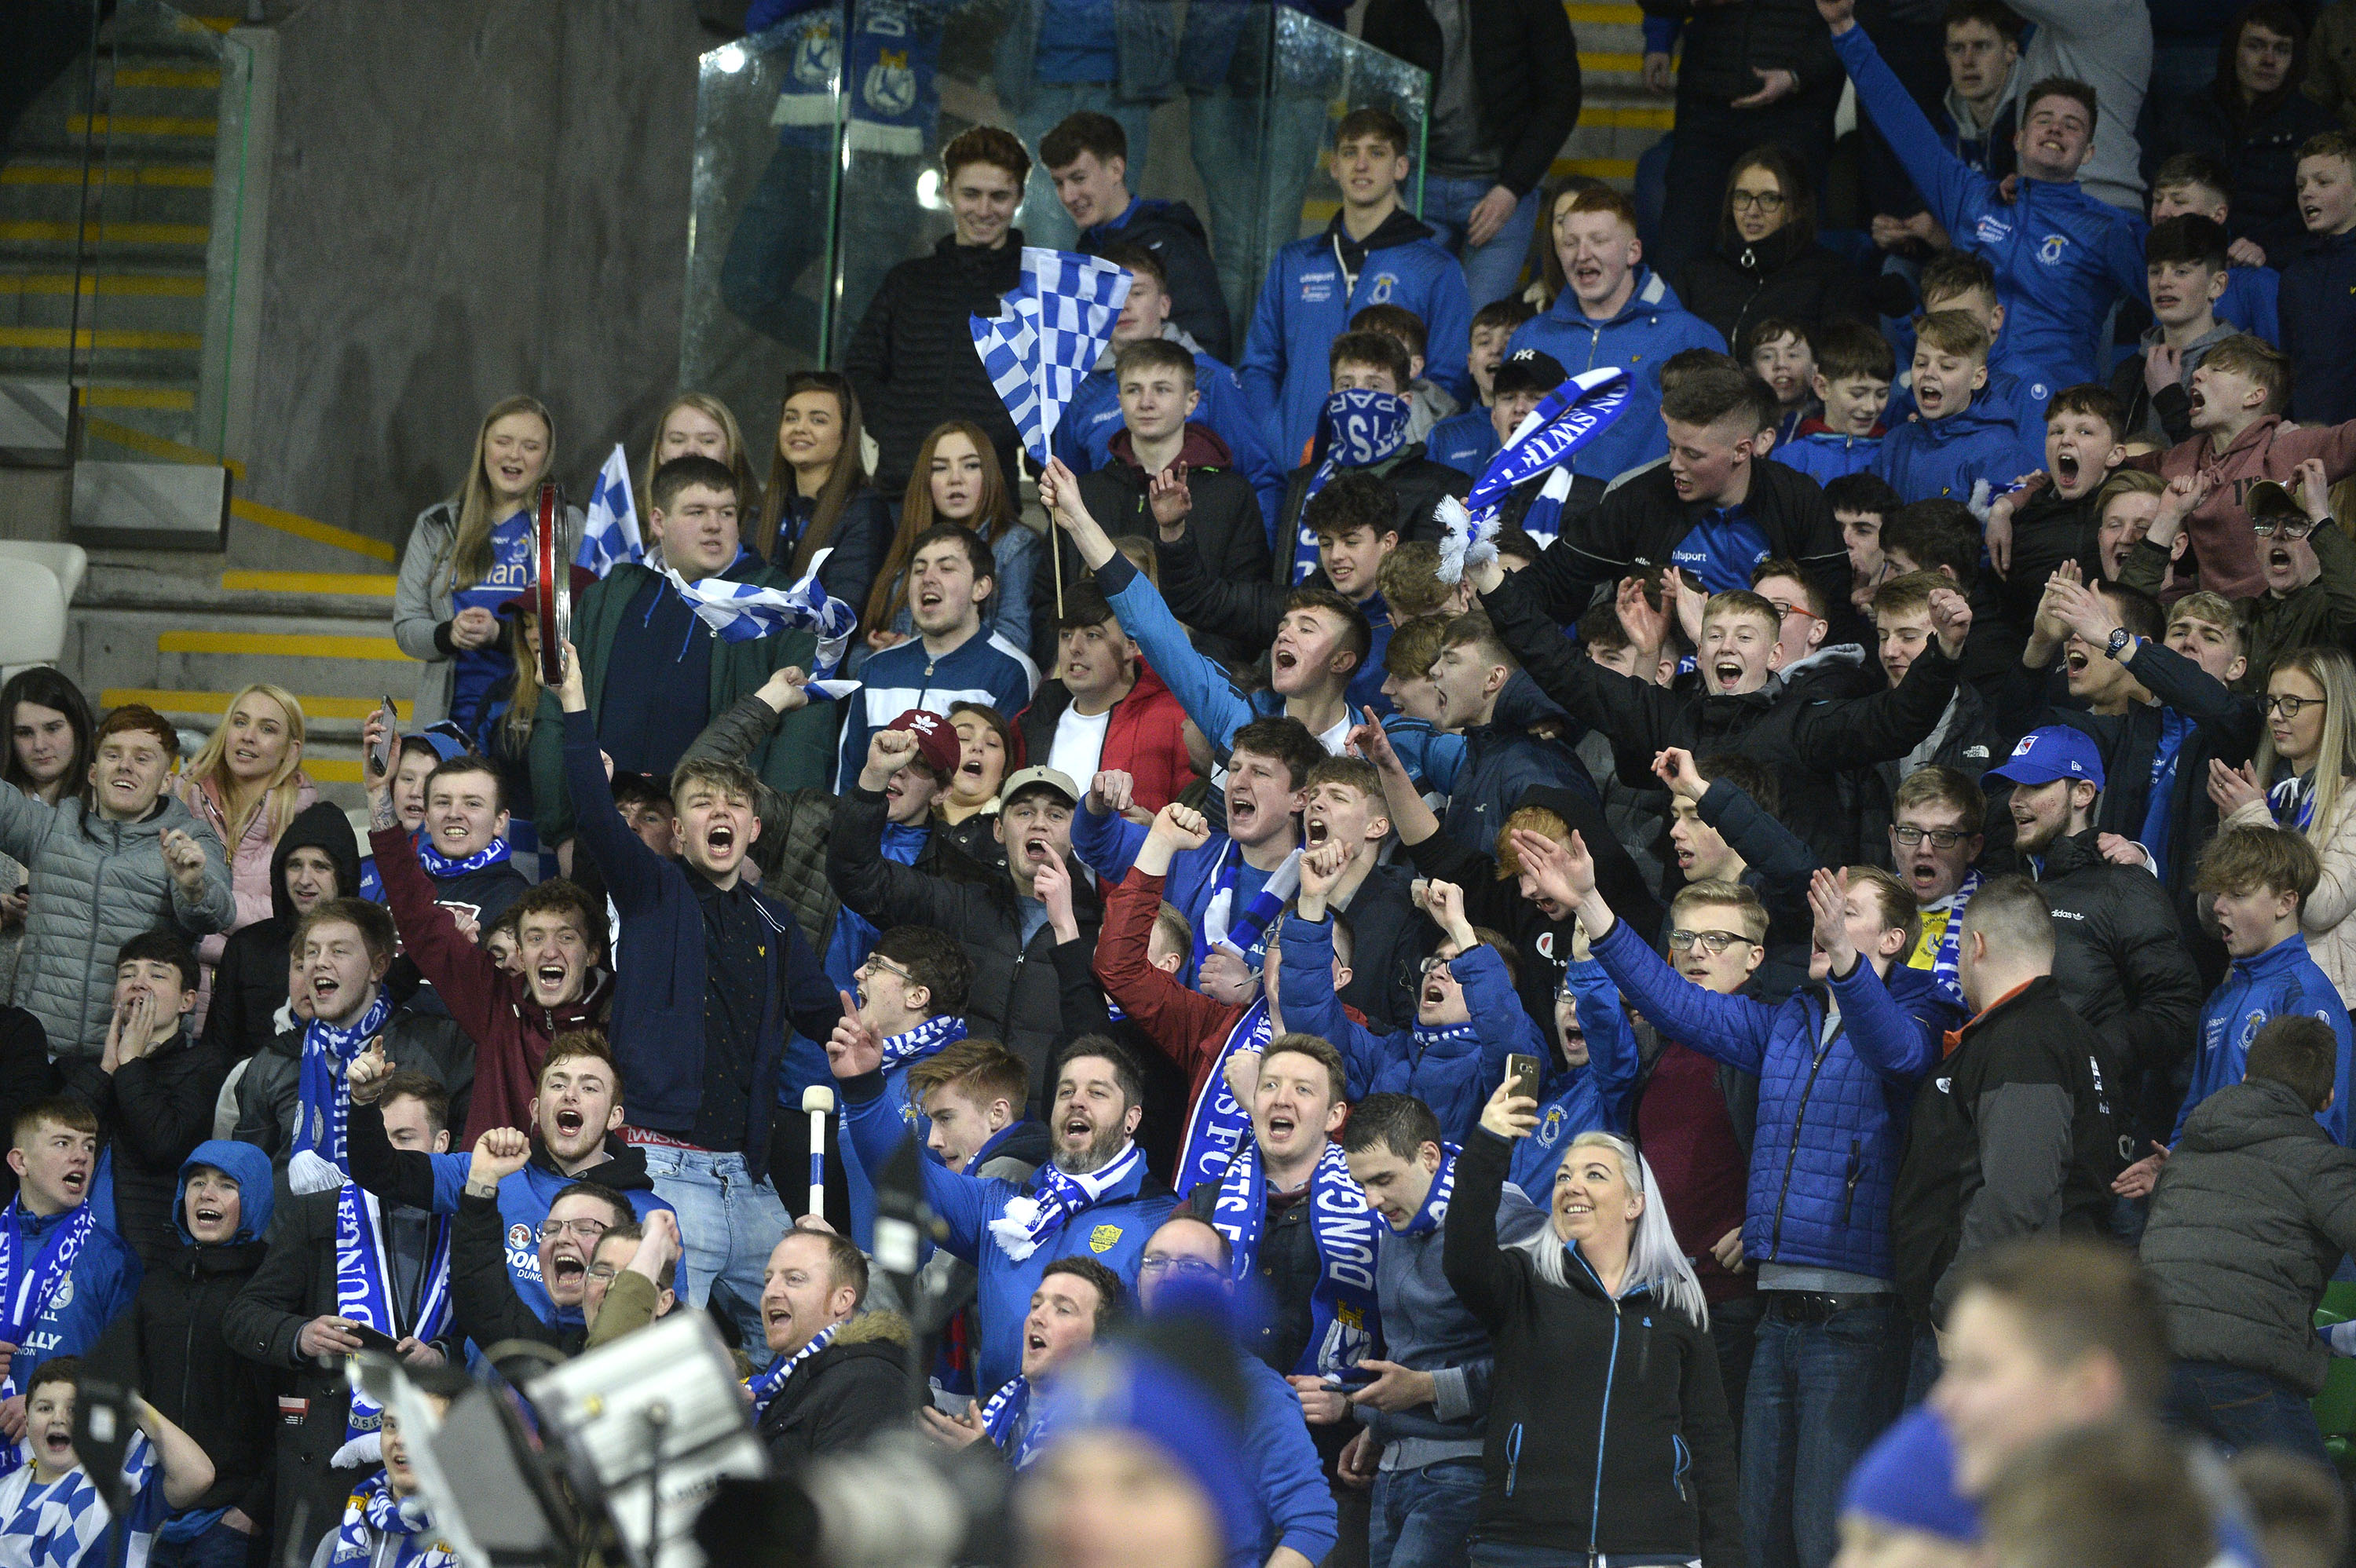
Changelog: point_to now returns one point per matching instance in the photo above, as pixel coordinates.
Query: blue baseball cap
(1906, 1481)
(2055, 751)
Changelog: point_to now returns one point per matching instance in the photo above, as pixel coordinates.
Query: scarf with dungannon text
(1344, 1318)
(324, 1105)
(364, 1294)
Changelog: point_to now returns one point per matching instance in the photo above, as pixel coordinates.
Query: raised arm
(1247, 611)
(1886, 725)
(875, 1130)
(1178, 1020)
(633, 872)
(1950, 188)
(1489, 1281)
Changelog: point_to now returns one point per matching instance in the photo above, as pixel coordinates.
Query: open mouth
(1435, 995)
(1281, 1125)
(2076, 660)
(1684, 859)
(2023, 817)
(74, 1180)
(930, 599)
(1242, 811)
(1038, 851)
(58, 1444)
(1283, 658)
(1922, 877)
(1570, 1209)
(2198, 398)
(326, 989)
(2278, 560)
(2065, 467)
(1316, 829)
(1035, 1340)
(1078, 1129)
(970, 767)
(720, 839)
(207, 1216)
(1728, 673)
(566, 1270)
(550, 976)
(1588, 272)
(775, 1317)
(569, 1123)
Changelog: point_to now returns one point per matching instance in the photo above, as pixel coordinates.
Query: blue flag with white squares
(1053, 330)
(609, 529)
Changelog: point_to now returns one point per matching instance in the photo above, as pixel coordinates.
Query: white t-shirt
(1078, 747)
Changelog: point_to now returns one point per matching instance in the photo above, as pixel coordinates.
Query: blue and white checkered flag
(740, 612)
(609, 535)
(1053, 329)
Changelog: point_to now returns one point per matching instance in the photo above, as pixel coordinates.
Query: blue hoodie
(1929, 460)
(1651, 327)
(1593, 1098)
(2285, 981)
(241, 1163)
(104, 1281)
(1824, 456)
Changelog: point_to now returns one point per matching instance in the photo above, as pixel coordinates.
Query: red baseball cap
(936, 743)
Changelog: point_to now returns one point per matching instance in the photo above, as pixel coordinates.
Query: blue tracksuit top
(2285, 981)
(1305, 303)
(1653, 325)
(2061, 257)
(1295, 1505)
(525, 1197)
(984, 668)
(1593, 1098)
(1464, 442)
(1113, 1232)
(1455, 1078)
(104, 1279)
(1824, 457)
(1084, 434)
(1926, 460)
(1831, 1114)
(2251, 301)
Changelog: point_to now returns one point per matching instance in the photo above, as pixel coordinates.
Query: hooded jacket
(2164, 416)
(170, 1346)
(2257, 141)
(1785, 274)
(2271, 448)
(1083, 437)
(151, 1112)
(1651, 327)
(1143, 736)
(270, 1096)
(912, 358)
(1608, 1430)
(849, 1393)
(250, 984)
(2281, 982)
(1228, 527)
(1314, 286)
(1172, 232)
(253, 863)
(2252, 1214)
(1939, 460)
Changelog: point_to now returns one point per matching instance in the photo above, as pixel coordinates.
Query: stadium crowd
(1797, 1007)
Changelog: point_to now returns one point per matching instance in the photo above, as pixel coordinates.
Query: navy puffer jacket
(1831, 1114)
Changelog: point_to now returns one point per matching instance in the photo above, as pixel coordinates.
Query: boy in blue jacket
(2261, 877)
(1373, 252)
(1590, 1095)
(67, 1275)
(1468, 1018)
(1836, 1075)
(1954, 440)
(2061, 256)
(1852, 381)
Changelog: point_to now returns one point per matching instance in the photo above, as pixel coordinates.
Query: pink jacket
(249, 859)
(2220, 529)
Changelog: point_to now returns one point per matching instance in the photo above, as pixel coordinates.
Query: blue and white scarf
(2293, 802)
(27, 1284)
(59, 1523)
(911, 1045)
(1030, 1218)
(1345, 1320)
(1005, 1412)
(364, 1294)
(1946, 972)
(1565, 420)
(372, 1512)
(324, 1109)
(438, 864)
(764, 1384)
(1363, 426)
(1217, 1126)
(1435, 1202)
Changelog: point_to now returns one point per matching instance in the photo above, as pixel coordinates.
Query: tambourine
(552, 583)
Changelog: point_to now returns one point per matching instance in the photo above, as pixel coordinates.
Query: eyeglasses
(1940, 837)
(1787, 611)
(603, 1273)
(1714, 942)
(1181, 1268)
(1764, 200)
(2290, 706)
(885, 966)
(1433, 966)
(2289, 528)
(587, 1230)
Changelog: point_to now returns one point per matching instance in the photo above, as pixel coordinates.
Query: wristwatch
(2120, 640)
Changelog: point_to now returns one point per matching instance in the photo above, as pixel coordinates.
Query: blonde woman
(700, 425)
(2301, 780)
(468, 553)
(247, 784)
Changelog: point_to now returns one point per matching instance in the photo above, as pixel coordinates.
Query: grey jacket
(2252, 1214)
(97, 884)
(1426, 1328)
(269, 1098)
(420, 602)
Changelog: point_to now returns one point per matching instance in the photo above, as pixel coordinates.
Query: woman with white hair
(1608, 1434)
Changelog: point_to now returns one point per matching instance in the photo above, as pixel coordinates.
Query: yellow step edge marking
(1609, 16)
(218, 702)
(218, 24)
(376, 584)
(193, 177)
(123, 339)
(140, 125)
(132, 286)
(1631, 65)
(164, 76)
(35, 230)
(333, 770)
(282, 645)
(170, 400)
(305, 527)
(1597, 168)
(1638, 118)
(170, 450)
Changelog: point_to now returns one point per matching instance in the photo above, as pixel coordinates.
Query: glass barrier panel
(43, 217)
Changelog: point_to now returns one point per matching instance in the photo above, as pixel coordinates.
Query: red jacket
(1145, 737)
(511, 1031)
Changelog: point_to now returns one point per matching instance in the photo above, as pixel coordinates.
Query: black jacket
(1418, 486)
(250, 981)
(1524, 74)
(1172, 232)
(484, 1306)
(270, 1096)
(861, 539)
(1786, 275)
(1226, 532)
(1016, 997)
(152, 1113)
(170, 1347)
(406, 1176)
(1803, 737)
(1641, 523)
(2120, 961)
(844, 1396)
(27, 1075)
(1608, 1430)
(2253, 1212)
(2258, 144)
(1724, 46)
(912, 359)
(2011, 1135)
(1970, 746)
(1288, 1271)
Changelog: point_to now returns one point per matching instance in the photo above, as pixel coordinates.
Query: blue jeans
(1820, 1394)
(217, 1547)
(728, 1224)
(1491, 270)
(2242, 1409)
(1043, 218)
(1423, 1518)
